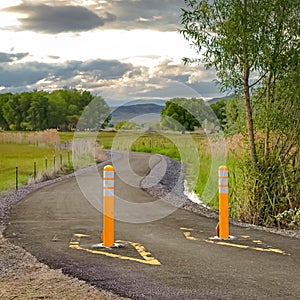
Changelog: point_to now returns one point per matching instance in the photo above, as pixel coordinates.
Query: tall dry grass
(49, 137)
(87, 152)
(268, 195)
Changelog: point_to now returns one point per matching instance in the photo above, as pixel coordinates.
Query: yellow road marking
(80, 235)
(188, 236)
(258, 242)
(247, 247)
(189, 229)
(147, 256)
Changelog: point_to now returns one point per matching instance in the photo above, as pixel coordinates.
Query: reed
(49, 137)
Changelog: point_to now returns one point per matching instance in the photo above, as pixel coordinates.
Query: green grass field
(24, 156)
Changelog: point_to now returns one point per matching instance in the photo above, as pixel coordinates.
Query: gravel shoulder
(23, 277)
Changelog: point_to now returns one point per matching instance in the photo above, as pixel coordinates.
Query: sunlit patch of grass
(106, 139)
(23, 156)
(66, 136)
(156, 144)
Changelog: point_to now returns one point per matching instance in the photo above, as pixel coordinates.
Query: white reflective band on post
(108, 183)
(223, 190)
(223, 181)
(223, 173)
(109, 174)
(108, 193)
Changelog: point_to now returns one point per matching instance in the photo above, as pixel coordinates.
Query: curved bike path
(171, 258)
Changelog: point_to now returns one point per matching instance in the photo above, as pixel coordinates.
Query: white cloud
(200, 74)
(8, 3)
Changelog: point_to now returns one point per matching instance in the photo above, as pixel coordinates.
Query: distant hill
(147, 101)
(129, 112)
(214, 100)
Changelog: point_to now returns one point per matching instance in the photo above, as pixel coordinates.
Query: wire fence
(43, 169)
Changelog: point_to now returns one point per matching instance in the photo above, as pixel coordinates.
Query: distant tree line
(187, 114)
(61, 109)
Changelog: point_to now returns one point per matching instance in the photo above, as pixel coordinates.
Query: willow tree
(245, 41)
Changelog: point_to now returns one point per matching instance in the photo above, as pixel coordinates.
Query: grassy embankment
(23, 156)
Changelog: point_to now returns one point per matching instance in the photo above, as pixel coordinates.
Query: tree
(12, 112)
(219, 109)
(184, 114)
(3, 122)
(57, 110)
(66, 106)
(246, 41)
(254, 47)
(38, 111)
(235, 117)
(127, 125)
(85, 99)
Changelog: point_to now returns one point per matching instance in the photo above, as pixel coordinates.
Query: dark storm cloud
(10, 57)
(107, 68)
(21, 75)
(57, 19)
(58, 16)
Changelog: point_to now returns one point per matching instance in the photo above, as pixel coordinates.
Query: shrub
(289, 218)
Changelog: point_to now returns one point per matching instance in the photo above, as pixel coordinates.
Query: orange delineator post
(223, 226)
(108, 206)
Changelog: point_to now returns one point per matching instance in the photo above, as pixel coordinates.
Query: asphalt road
(170, 258)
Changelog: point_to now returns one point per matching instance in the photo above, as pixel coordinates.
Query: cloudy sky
(120, 49)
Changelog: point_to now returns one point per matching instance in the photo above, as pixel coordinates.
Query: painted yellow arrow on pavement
(146, 256)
